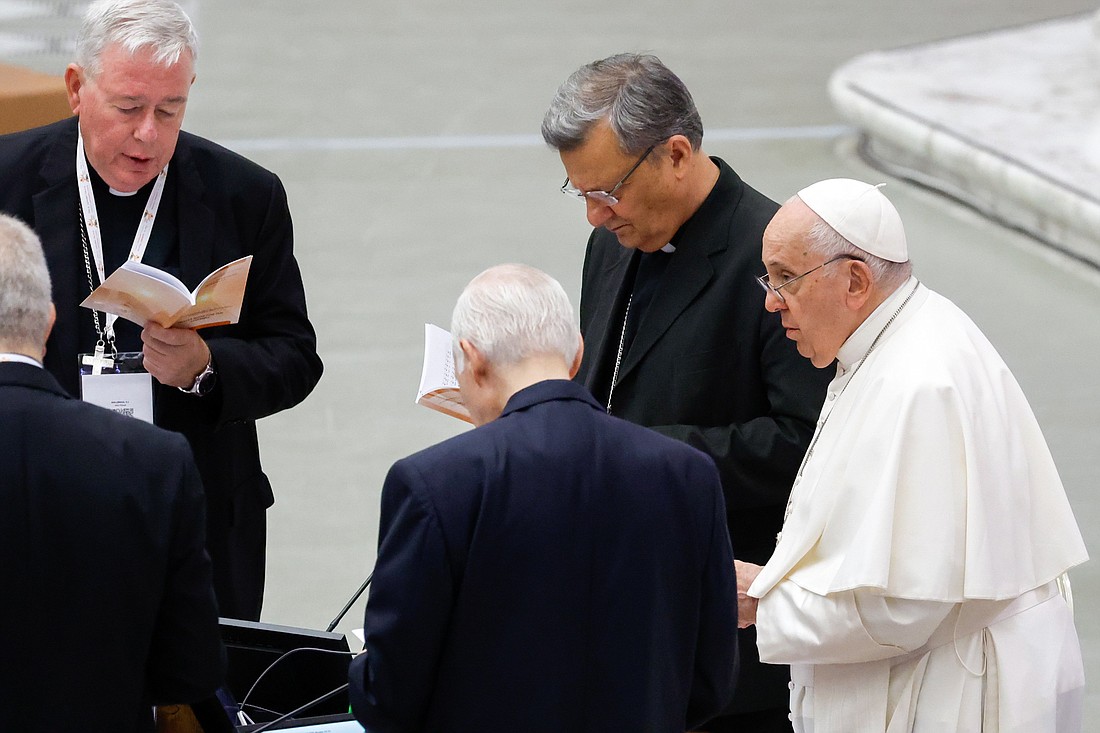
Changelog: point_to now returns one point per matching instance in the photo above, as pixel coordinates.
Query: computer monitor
(274, 669)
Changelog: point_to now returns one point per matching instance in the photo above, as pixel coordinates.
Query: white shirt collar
(861, 339)
(4, 356)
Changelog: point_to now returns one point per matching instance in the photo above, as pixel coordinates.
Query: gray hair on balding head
(829, 243)
(24, 287)
(512, 312)
(135, 24)
(642, 100)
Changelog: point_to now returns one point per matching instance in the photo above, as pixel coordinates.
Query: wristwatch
(204, 382)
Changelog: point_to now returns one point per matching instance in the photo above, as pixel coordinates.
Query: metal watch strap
(199, 379)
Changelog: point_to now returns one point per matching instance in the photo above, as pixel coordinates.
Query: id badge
(124, 386)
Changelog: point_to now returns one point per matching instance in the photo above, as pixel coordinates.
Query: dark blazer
(108, 603)
(227, 207)
(711, 367)
(554, 570)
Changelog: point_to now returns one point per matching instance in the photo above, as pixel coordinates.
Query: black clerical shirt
(119, 217)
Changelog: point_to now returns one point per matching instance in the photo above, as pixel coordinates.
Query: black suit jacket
(108, 603)
(711, 367)
(554, 570)
(227, 207)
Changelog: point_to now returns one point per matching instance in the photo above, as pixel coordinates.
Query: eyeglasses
(606, 198)
(774, 289)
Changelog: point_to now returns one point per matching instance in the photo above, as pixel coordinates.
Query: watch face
(205, 383)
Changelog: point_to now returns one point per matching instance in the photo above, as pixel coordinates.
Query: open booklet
(438, 384)
(141, 293)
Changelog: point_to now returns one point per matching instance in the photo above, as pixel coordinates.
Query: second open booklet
(141, 293)
(438, 383)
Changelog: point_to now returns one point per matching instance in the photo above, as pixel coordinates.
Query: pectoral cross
(99, 360)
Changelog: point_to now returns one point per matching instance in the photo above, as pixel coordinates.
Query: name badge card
(119, 383)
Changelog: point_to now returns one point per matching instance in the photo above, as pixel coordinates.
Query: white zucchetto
(861, 214)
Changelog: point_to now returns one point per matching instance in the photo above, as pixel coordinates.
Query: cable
(307, 706)
(262, 709)
(348, 605)
(283, 656)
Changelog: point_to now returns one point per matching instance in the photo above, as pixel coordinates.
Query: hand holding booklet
(141, 293)
(438, 383)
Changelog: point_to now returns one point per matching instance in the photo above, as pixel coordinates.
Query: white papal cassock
(913, 587)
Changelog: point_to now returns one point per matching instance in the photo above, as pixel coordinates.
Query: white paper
(127, 394)
(438, 383)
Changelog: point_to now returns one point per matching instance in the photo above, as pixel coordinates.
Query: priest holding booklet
(915, 586)
(121, 181)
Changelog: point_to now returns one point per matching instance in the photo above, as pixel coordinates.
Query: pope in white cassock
(916, 583)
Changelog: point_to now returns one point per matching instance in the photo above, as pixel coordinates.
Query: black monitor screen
(284, 667)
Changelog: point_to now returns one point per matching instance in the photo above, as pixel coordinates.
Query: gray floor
(407, 137)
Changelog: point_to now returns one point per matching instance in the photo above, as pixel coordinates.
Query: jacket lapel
(56, 220)
(702, 236)
(687, 274)
(604, 325)
(196, 219)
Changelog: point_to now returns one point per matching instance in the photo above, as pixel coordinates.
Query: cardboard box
(29, 99)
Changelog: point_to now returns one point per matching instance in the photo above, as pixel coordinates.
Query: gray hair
(512, 312)
(134, 25)
(24, 286)
(644, 102)
(826, 241)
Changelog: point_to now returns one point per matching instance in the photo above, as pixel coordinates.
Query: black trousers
(237, 543)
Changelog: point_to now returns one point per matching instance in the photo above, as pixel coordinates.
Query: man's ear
(576, 365)
(861, 284)
(74, 82)
(476, 363)
(49, 324)
(680, 153)
(34, 347)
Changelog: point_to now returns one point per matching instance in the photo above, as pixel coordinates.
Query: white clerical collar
(4, 356)
(860, 341)
(121, 194)
(670, 248)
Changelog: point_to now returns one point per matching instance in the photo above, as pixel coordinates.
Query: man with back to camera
(554, 569)
(121, 181)
(677, 336)
(914, 588)
(109, 607)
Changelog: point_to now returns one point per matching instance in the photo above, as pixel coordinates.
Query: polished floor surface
(407, 136)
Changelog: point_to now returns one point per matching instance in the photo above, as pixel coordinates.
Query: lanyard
(91, 225)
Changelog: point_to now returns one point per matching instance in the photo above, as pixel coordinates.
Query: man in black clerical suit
(90, 185)
(554, 570)
(108, 603)
(676, 332)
